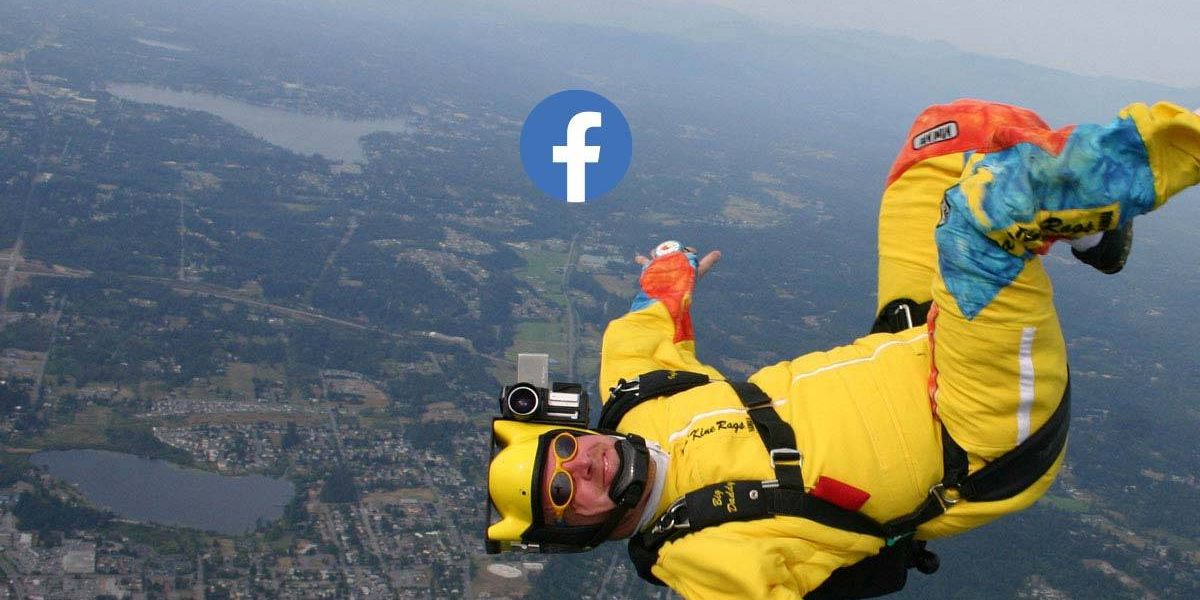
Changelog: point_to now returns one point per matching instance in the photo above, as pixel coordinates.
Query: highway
(572, 321)
(14, 258)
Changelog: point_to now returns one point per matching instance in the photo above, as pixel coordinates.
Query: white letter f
(577, 153)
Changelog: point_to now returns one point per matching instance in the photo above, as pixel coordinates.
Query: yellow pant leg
(999, 378)
(1001, 374)
(908, 214)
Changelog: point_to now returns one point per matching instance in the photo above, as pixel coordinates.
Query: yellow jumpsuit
(868, 416)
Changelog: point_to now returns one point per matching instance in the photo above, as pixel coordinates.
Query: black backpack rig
(878, 575)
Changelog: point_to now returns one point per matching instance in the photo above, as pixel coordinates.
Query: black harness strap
(777, 436)
(747, 501)
(628, 394)
(1018, 469)
(1000, 479)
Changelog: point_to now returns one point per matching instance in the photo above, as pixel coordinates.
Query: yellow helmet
(515, 487)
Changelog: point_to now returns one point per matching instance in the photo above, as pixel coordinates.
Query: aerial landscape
(264, 271)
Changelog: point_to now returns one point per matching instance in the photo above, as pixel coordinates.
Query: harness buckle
(905, 311)
(946, 496)
(624, 387)
(786, 455)
(768, 403)
(672, 519)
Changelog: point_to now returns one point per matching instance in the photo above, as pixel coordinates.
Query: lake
(143, 489)
(331, 137)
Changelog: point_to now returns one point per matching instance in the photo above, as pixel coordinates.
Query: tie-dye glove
(669, 277)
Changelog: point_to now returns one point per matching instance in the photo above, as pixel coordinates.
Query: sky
(1153, 41)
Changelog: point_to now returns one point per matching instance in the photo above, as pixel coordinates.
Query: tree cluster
(339, 486)
(47, 514)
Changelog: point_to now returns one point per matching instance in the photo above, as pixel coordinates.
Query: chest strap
(746, 501)
(778, 436)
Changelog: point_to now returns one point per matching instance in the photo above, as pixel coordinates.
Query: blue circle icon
(575, 145)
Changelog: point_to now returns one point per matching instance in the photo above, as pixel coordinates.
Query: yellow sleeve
(642, 341)
(657, 331)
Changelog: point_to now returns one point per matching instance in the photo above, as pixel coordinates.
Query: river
(331, 137)
(149, 490)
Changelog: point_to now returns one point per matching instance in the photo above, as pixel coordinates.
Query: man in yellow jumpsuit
(979, 190)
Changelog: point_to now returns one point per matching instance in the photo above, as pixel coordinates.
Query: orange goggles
(562, 486)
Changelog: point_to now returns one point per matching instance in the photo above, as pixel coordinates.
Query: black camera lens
(522, 400)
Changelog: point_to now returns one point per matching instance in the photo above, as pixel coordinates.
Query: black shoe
(1109, 255)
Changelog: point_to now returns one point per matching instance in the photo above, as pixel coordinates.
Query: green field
(543, 271)
(533, 336)
(1070, 505)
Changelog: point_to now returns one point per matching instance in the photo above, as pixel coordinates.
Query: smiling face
(592, 471)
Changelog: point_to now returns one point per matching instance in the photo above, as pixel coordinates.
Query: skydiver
(824, 475)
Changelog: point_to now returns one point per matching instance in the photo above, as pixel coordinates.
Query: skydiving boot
(1109, 253)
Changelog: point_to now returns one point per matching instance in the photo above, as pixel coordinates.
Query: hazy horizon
(1084, 38)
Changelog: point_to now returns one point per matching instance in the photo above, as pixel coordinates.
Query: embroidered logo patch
(941, 133)
(725, 497)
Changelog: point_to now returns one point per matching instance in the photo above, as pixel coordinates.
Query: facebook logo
(576, 146)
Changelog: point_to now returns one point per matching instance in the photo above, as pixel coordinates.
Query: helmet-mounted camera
(535, 399)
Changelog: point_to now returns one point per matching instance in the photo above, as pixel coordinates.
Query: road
(454, 535)
(572, 321)
(14, 258)
(182, 276)
(329, 260)
(337, 436)
(14, 578)
(359, 511)
(602, 590)
(372, 536)
(41, 372)
(204, 289)
(198, 591)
